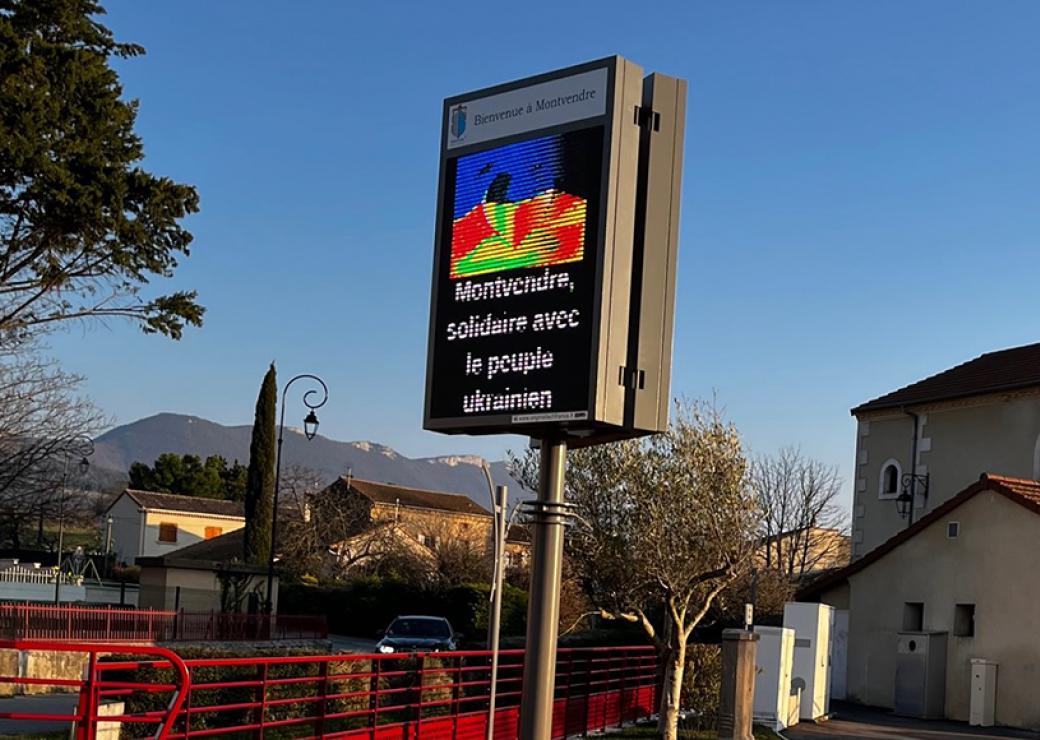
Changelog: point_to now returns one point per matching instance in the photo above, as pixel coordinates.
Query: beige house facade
(149, 524)
(940, 546)
(206, 576)
(980, 416)
(964, 570)
(424, 519)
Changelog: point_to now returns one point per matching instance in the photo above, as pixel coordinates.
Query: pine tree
(259, 503)
(84, 228)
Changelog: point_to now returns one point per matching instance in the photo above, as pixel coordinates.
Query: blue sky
(859, 203)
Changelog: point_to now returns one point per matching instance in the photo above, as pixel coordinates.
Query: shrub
(367, 605)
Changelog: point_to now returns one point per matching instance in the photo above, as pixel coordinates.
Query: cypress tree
(259, 502)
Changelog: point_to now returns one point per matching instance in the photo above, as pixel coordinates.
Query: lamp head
(903, 504)
(310, 425)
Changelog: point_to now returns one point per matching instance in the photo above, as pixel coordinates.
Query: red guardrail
(42, 622)
(425, 696)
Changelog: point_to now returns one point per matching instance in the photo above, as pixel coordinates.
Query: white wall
(991, 564)
(957, 442)
(127, 520)
(191, 528)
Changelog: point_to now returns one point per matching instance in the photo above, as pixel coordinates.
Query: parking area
(850, 721)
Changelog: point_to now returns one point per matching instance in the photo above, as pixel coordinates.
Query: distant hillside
(146, 439)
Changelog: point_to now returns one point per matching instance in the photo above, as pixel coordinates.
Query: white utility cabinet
(774, 658)
(812, 625)
(983, 693)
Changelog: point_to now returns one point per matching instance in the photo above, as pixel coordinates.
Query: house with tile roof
(424, 518)
(149, 524)
(959, 577)
(923, 441)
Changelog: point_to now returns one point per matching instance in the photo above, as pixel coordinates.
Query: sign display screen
(514, 318)
(532, 257)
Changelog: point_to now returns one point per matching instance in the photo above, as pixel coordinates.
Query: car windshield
(419, 628)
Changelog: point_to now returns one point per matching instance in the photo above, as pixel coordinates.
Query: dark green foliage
(188, 475)
(138, 702)
(259, 500)
(367, 605)
(83, 228)
(349, 682)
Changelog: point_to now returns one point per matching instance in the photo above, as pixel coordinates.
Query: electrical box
(813, 625)
(920, 689)
(983, 692)
(774, 659)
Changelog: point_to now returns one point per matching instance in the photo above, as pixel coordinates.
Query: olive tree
(665, 524)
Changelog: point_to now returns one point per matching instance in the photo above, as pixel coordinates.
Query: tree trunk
(671, 690)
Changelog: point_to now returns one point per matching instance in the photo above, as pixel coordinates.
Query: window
(888, 485)
(212, 532)
(964, 620)
(167, 532)
(913, 616)
(953, 530)
(428, 540)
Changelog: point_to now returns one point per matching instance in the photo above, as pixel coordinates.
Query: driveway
(850, 721)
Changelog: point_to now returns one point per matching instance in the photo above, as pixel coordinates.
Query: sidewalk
(852, 721)
(42, 704)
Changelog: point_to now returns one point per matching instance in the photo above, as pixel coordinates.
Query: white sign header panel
(552, 103)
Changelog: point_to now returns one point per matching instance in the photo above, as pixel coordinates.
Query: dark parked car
(418, 634)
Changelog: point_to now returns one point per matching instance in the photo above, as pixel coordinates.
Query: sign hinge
(647, 118)
(632, 378)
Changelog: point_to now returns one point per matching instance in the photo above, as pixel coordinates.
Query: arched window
(888, 485)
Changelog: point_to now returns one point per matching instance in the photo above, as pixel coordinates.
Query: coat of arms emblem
(458, 121)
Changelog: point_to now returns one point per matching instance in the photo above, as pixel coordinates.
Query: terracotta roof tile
(1005, 370)
(385, 493)
(187, 504)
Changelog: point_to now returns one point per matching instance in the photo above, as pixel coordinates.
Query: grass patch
(645, 732)
(38, 736)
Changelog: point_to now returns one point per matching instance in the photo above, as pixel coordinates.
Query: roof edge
(986, 482)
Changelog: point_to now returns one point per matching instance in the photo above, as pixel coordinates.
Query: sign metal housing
(554, 259)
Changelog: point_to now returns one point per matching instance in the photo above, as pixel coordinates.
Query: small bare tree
(40, 416)
(666, 524)
(802, 524)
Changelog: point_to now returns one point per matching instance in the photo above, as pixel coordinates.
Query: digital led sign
(532, 275)
(515, 315)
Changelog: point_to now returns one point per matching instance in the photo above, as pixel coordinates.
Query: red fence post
(421, 675)
(88, 704)
(373, 691)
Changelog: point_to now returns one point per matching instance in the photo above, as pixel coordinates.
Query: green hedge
(366, 606)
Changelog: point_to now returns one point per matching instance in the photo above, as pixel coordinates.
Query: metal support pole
(495, 621)
(543, 609)
(61, 528)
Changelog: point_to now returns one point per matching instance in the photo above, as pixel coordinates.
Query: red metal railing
(426, 696)
(41, 622)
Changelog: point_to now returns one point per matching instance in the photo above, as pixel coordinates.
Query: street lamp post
(310, 428)
(108, 545)
(83, 446)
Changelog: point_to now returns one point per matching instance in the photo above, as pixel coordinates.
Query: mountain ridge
(145, 439)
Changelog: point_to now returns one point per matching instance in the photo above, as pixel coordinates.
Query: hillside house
(148, 524)
(421, 519)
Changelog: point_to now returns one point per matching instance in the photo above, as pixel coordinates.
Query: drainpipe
(913, 467)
